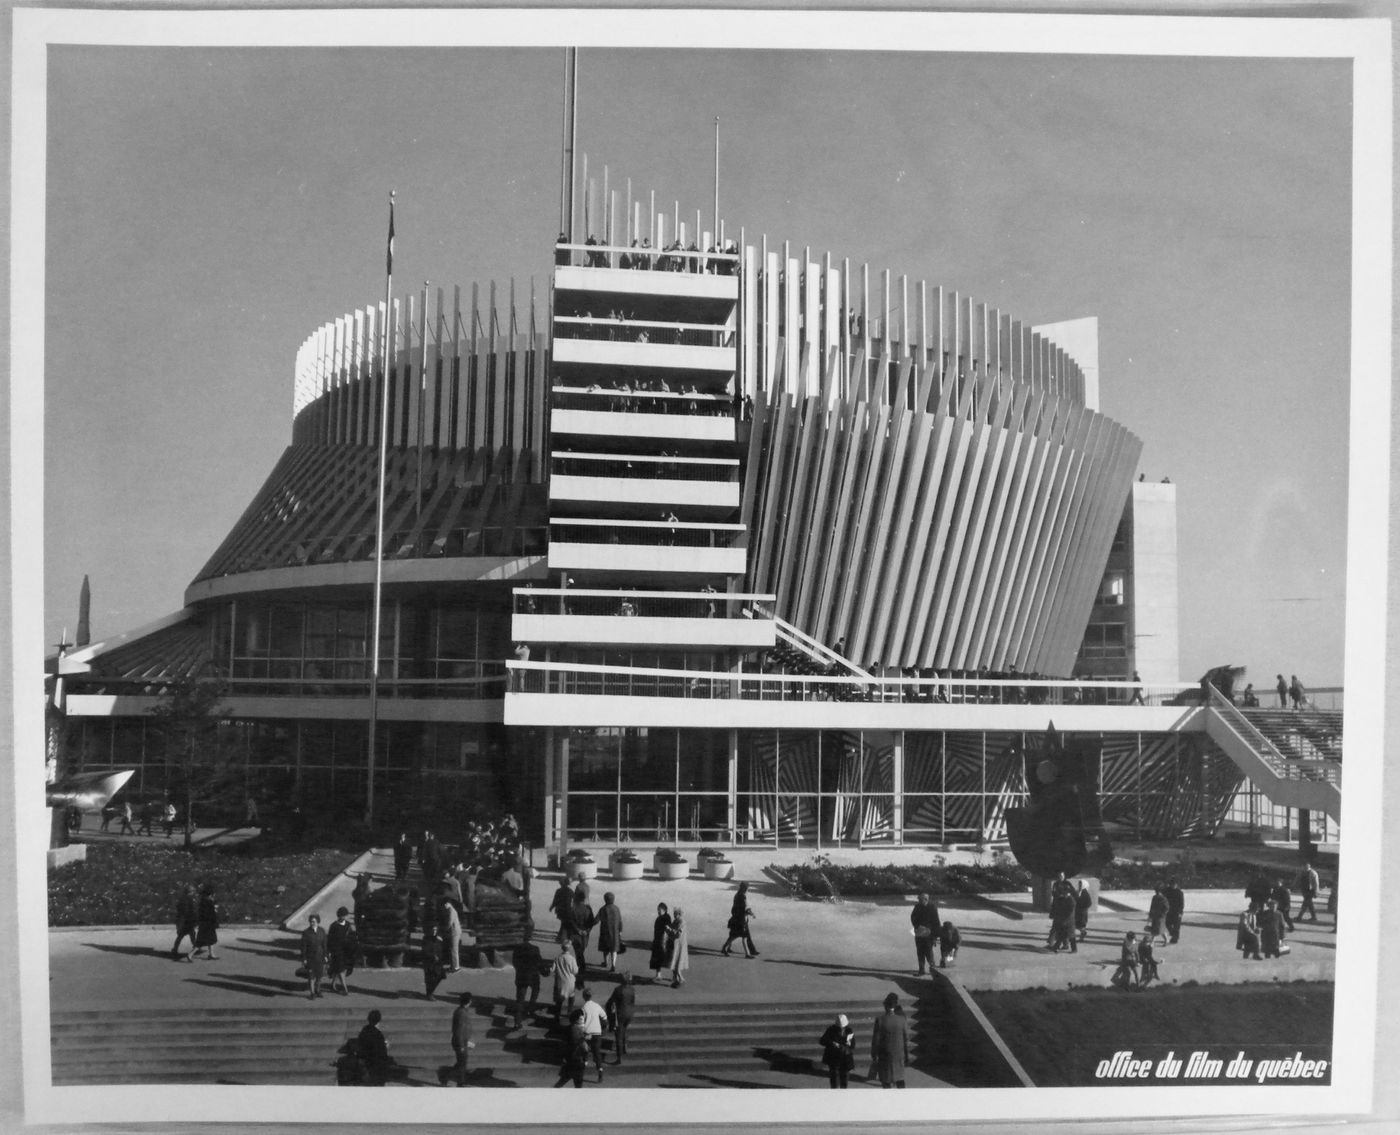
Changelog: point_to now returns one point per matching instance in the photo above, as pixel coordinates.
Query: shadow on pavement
(131, 951)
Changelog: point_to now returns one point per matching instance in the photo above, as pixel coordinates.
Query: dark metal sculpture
(1051, 833)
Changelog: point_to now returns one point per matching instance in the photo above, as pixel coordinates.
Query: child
(1126, 975)
(948, 942)
(1149, 963)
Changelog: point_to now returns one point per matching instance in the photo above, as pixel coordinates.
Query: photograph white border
(1365, 42)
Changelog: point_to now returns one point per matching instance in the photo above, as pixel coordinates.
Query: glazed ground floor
(817, 788)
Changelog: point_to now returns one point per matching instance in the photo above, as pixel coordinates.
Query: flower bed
(123, 884)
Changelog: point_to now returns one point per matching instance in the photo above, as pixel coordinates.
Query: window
(1112, 589)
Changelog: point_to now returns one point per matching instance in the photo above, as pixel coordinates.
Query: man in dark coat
(1176, 907)
(620, 1007)
(1308, 886)
(313, 955)
(1270, 930)
(609, 931)
(528, 964)
(403, 856)
(1157, 916)
(462, 1037)
(374, 1049)
(186, 918)
(926, 922)
(1283, 899)
(1083, 903)
(889, 1044)
(560, 905)
(342, 944)
(1258, 893)
(1062, 916)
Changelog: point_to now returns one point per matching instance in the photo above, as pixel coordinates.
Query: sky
(208, 209)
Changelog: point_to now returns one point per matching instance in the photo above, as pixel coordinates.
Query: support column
(548, 829)
(561, 788)
(1305, 844)
(897, 778)
(732, 816)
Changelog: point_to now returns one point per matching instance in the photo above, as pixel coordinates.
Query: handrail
(627, 593)
(1279, 764)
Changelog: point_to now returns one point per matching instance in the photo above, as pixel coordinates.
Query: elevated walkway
(1288, 780)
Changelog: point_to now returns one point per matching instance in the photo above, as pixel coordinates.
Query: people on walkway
(594, 1021)
(1062, 916)
(1126, 975)
(1296, 693)
(620, 1008)
(1247, 934)
(1271, 930)
(450, 925)
(126, 828)
(1308, 887)
(1282, 688)
(462, 1042)
(1148, 962)
(610, 931)
(313, 955)
(1176, 908)
(1083, 904)
(739, 915)
(1157, 916)
(560, 905)
(839, 1051)
(575, 1042)
(948, 942)
(680, 948)
(1283, 900)
(342, 948)
(660, 942)
(581, 921)
(889, 1044)
(186, 921)
(565, 980)
(374, 1049)
(528, 963)
(924, 921)
(168, 819)
(431, 960)
(206, 934)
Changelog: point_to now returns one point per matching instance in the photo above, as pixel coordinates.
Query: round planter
(668, 870)
(622, 869)
(719, 869)
(575, 869)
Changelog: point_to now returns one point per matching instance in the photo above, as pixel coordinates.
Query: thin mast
(715, 236)
(385, 330)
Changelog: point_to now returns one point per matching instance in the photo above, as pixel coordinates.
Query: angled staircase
(1291, 781)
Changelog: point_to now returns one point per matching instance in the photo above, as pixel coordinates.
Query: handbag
(302, 971)
(622, 947)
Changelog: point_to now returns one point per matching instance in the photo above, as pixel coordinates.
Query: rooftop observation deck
(700, 620)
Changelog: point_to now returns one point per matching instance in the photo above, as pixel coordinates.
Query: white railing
(643, 604)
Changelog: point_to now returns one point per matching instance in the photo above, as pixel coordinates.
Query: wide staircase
(715, 1044)
(1282, 774)
(1306, 734)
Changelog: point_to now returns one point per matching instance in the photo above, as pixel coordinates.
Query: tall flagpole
(379, 515)
(715, 237)
(422, 398)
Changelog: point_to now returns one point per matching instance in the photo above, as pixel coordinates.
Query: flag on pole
(389, 258)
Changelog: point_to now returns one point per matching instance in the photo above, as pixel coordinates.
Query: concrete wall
(1153, 581)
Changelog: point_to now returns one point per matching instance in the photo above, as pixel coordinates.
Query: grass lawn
(1060, 1036)
(124, 884)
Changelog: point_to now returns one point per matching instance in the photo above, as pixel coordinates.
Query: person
(1126, 975)
(1258, 893)
(150, 812)
(924, 921)
(1308, 886)
(250, 812)
(889, 1044)
(349, 1068)
(560, 905)
(1283, 899)
(594, 1021)
(948, 942)
(1250, 699)
(1157, 916)
(1083, 903)
(1176, 907)
(126, 828)
(374, 1049)
(433, 972)
(609, 931)
(739, 915)
(1149, 963)
(450, 924)
(561, 254)
(522, 654)
(430, 858)
(1247, 934)
(186, 920)
(206, 934)
(342, 944)
(1282, 688)
(580, 926)
(527, 962)
(462, 1041)
(1137, 692)
(403, 856)
(1271, 930)
(168, 819)
(1062, 916)
(680, 949)
(565, 979)
(575, 1061)
(1296, 692)
(620, 1007)
(660, 942)
(313, 955)
(839, 1051)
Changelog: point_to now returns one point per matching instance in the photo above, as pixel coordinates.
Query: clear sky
(209, 208)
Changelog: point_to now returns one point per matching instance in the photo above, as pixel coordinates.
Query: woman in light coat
(565, 982)
(680, 949)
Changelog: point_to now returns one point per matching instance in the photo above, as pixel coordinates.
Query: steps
(296, 1043)
(1289, 781)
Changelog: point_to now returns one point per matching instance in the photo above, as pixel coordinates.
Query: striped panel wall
(480, 382)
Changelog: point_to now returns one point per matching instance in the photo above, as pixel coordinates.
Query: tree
(201, 769)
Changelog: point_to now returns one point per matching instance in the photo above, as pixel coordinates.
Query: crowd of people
(674, 257)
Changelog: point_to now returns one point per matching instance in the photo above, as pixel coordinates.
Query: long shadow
(725, 1082)
(476, 1078)
(779, 1061)
(130, 951)
(236, 987)
(288, 949)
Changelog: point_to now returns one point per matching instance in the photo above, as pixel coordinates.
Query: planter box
(666, 870)
(719, 869)
(575, 869)
(626, 870)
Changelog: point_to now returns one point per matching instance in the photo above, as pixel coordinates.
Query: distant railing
(709, 604)
(624, 398)
(689, 534)
(617, 330)
(616, 681)
(1280, 764)
(486, 683)
(489, 540)
(640, 255)
(721, 469)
